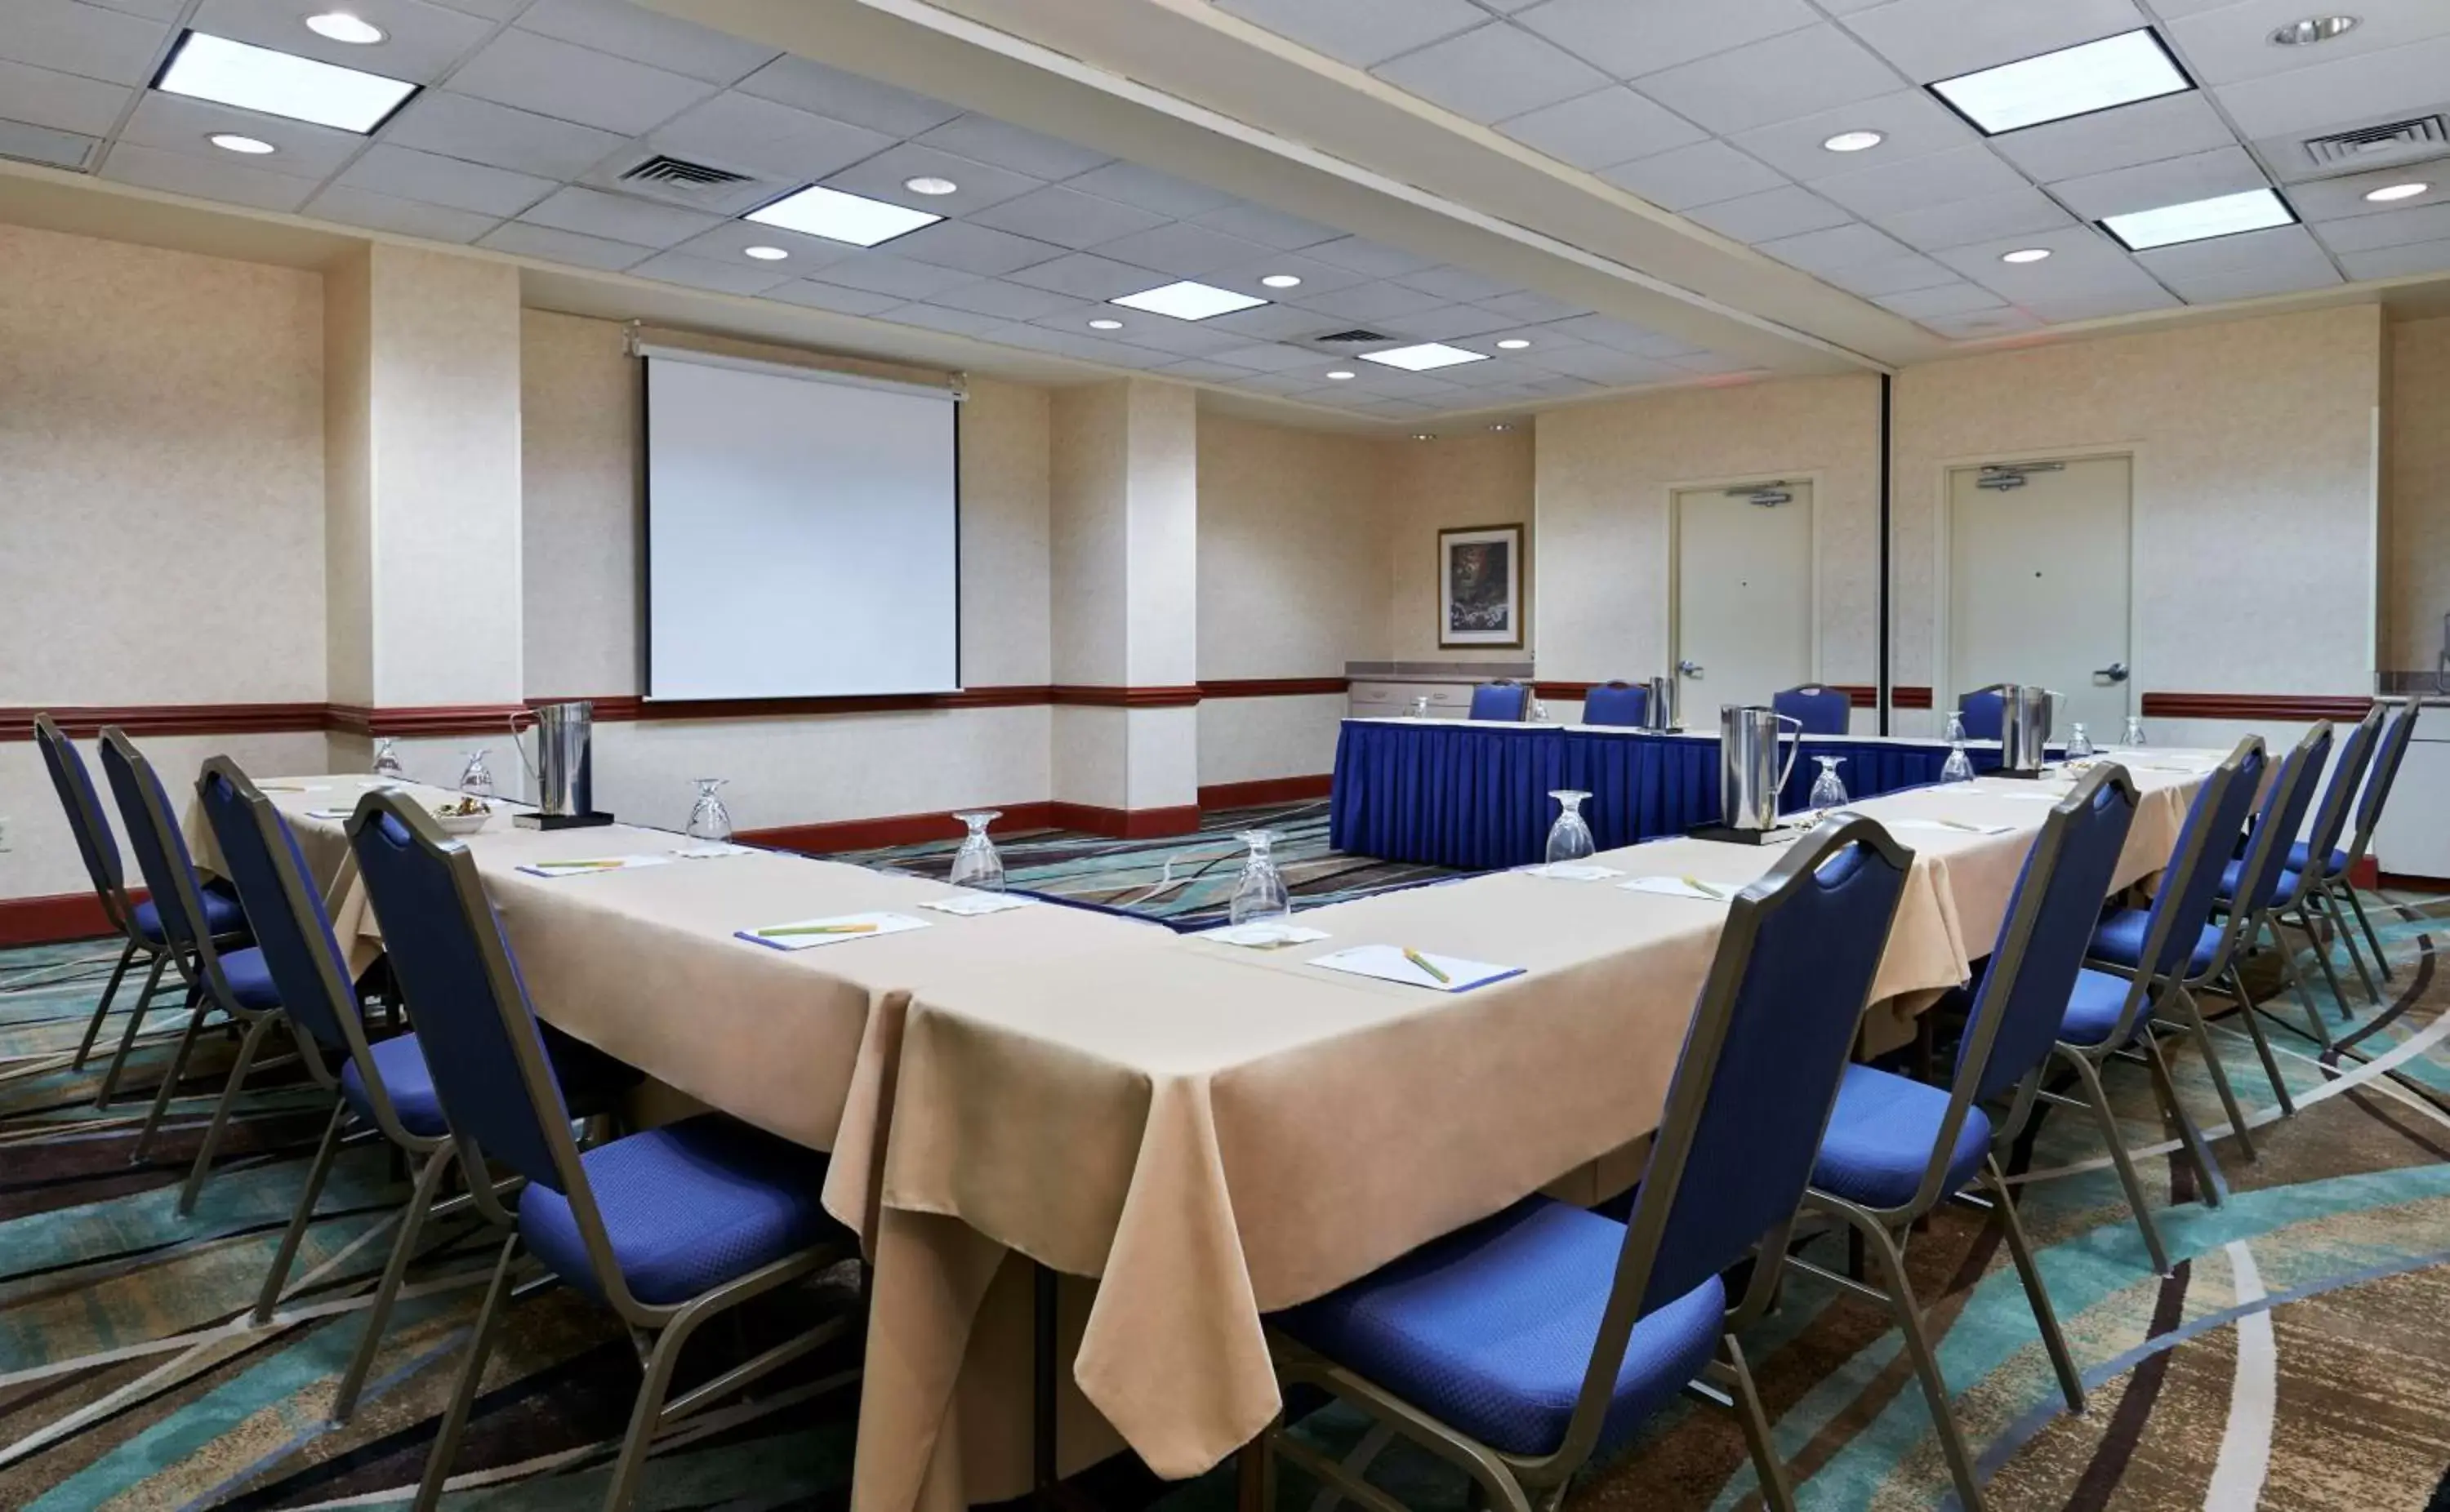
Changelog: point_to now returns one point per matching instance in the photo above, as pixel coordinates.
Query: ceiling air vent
(678, 175)
(2392, 138)
(1356, 337)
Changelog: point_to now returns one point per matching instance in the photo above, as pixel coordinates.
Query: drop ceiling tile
(563, 246)
(1601, 128)
(2173, 126)
(730, 241)
(1204, 370)
(743, 131)
(613, 216)
(2280, 247)
(1980, 324)
(1006, 301)
(1268, 229)
(2230, 42)
(1939, 39)
(2250, 282)
(2102, 304)
(644, 36)
(1084, 347)
(65, 102)
(1273, 322)
(1897, 275)
(1953, 298)
(2318, 96)
(884, 273)
(1453, 322)
(2369, 233)
(1370, 302)
(1495, 373)
(490, 9)
(1938, 177)
(1688, 177)
(1531, 309)
(2019, 212)
(177, 123)
(1606, 330)
(425, 41)
(1268, 356)
(2398, 262)
(1182, 248)
(1911, 124)
(381, 212)
(2082, 264)
(1149, 189)
(1280, 383)
(183, 173)
(2173, 181)
(1380, 381)
(833, 296)
(2341, 198)
(1066, 217)
(723, 276)
(1317, 277)
(1454, 283)
(982, 139)
(1630, 38)
(1491, 73)
(1375, 259)
(571, 83)
(156, 10)
(1602, 365)
(1087, 276)
(980, 184)
(85, 40)
(807, 85)
(1714, 363)
(461, 125)
(1359, 33)
(39, 143)
(1799, 73)
(939, 317)
(973, 248)
(1545, 348)
(1772, 213)
(407, 174)
(1837, 247)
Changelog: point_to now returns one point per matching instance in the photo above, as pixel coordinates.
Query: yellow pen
(1423, 961)
(816, 929)
(584, 866)
(1704, 888)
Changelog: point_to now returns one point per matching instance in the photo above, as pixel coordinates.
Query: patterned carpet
(2299, 1357)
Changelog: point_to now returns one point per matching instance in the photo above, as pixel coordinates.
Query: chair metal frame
(2330, 817)
(657, 1330)
(2258, 878)
(1521, 1482)
(195, 953)
(1813, 694)
(2135, 1026)
(2383, 775)
(1884, 1230)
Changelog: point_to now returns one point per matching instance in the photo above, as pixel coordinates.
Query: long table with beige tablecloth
(1211, 1132)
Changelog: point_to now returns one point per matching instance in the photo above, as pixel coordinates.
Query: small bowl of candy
(463, 815)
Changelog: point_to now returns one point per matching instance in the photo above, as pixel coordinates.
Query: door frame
(1943, 516)
(1672, 600)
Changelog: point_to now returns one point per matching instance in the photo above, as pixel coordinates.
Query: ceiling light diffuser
(2030, 254)
(1853, 141)
(2312, 29)
(1282, 280)
(929, 184)
(1423, 358)
(2199, 220)
(2073, 81)
(210, 68)
(1188, 300)
(232, 141)
(1339, 376)
(2396, 191)
(1513, 344)
(1105, 325)
(765, 254)
(838, 217)
(339, 26)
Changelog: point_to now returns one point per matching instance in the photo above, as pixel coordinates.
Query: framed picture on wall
(1480, 586)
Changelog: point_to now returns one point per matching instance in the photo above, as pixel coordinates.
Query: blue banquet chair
(235, 983)
(1617, 702)
(2107, 1009)
(2370, 803)
(1895, 1149)
(2258, 885)
(1821, 710)
(140, 922)
(1980, 710)
(1519, 1347)
(1504, 700)
(667, 1227)
(2316, 903)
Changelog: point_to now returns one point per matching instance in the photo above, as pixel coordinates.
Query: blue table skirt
(1476, 796)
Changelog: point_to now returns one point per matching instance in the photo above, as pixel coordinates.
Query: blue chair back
(2356, 753)
(1501, 700)
(2385, 771)
(285, 909)
(2277, 822)
(96, 845)
(162, 859)
(1617, 702)
(2205, 843)
(1824, 710)
(1981, 712)
(455, 972)
(2016, 1012)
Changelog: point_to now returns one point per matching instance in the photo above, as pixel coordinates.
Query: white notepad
(712, 850)
(832, 930)
(329, 813)
(970, 906)
(592, 865)
(1391, 964)
(1693, 887)
(1957, 826)
(1572, 871)
(1265, 934)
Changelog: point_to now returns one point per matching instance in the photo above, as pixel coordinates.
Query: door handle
(1689, 668)
(2115, 671)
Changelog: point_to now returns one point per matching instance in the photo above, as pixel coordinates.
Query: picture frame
(1480, 587)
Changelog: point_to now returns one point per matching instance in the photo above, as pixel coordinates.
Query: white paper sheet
(1267, 933)
(592, 865)
(1572, 871)
(1391, 964)
(1693, 887)
(970, 906)
(851, 927)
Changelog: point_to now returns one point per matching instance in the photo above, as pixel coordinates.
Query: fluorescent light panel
(1187, 300)
(838, 217)
(2073, 81)
(1424, 356)
(2199, 220)
(209, 68)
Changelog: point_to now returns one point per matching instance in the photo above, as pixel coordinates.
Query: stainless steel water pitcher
(564, 768)
(1659, 711)
(1750, 775)
(2024, 728)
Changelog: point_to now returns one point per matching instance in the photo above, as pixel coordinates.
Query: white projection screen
(801, 533)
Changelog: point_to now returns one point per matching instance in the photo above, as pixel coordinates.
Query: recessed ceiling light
(838, 217)
(1424, 356)
(1282, 280)
(2312, 29)
(2396, 191)
(232, 141)
(765, 254)
(1853, 141)
(340, 26)
(2073, 81)
(1513, 344)
(2030, 254)
(1425, 435)
(1187, 300)
(2199, 220)
(1339, 375)
(1105, 325)
(210, 68)
(929, 184)
(1501, 426)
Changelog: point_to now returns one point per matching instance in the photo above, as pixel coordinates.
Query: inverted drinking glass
(476, 778)
(710, 822)
(1955, 731)
(976, 863)
(1959, 766)
(1260, 892)
(2079, 744)
(1569, 838)
(1420, 706)
(1828, 792)
(2134, 735)
(387, 760)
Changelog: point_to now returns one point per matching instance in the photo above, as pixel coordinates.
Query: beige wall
(2417, 562)
(1479, 478)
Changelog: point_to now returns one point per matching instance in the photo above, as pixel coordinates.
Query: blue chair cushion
(2300, 852)
(2119, 940)
(592, 1081)
(2281, 895)
(250, 980)
(1881, 1136)
(224, 918)
(687, 1208)
(1489, 1329)
(2093, 1007)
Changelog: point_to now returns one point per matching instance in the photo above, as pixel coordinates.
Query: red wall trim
(1564, 690)
(1265, 790)
(1179, 697)
(2292, 707)
(168, 719)
(428, 719)
(1904, 696)
(2402, 881)
(1125, 823)
(55, 917)
(1274, 686)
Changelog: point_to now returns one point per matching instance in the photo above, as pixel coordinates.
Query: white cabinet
(2413, 838)
(1389, 700)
